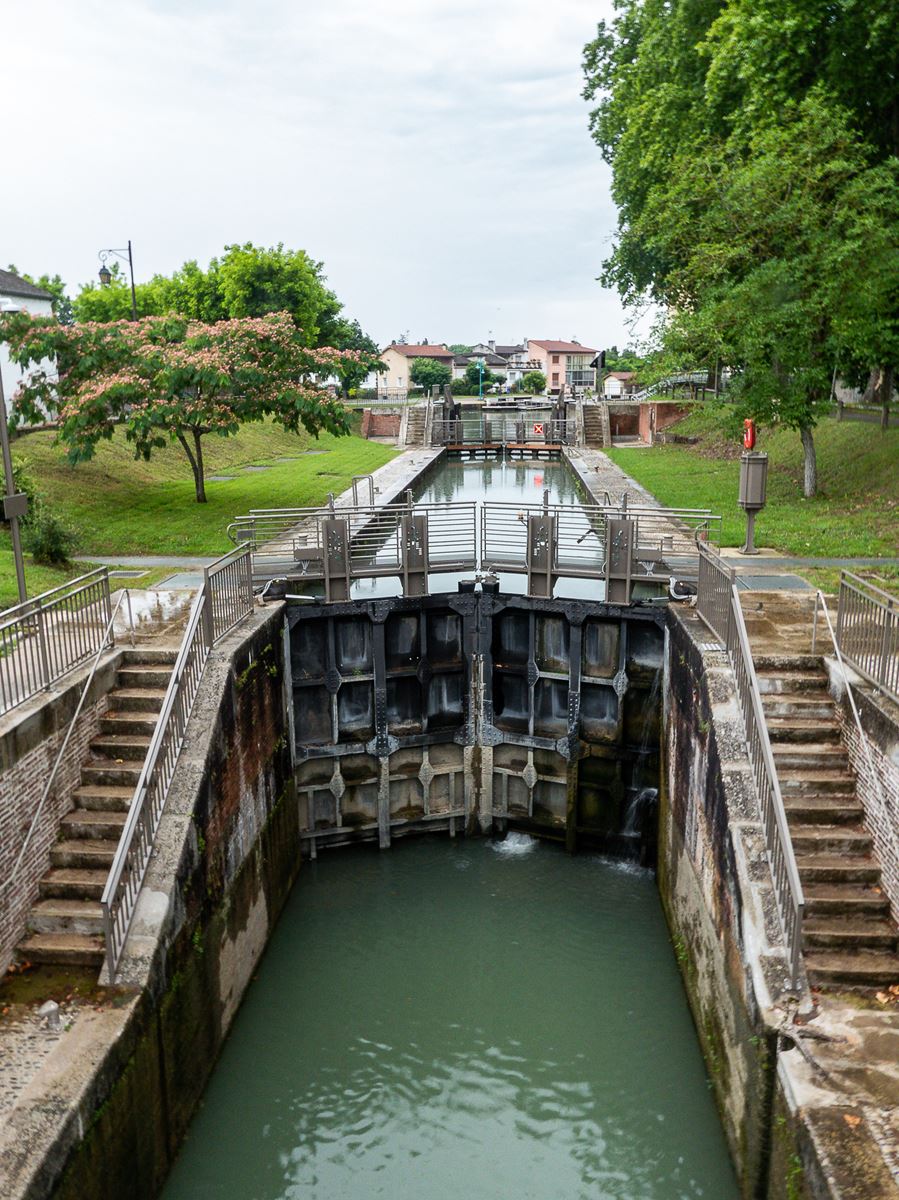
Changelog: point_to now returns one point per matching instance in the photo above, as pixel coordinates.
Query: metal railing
(872, 770)
(124, 598)
(718, 605)
(43, 639)
(224, 599)
(665, 540)
(502, 430)
(868, 632)
(366, 479)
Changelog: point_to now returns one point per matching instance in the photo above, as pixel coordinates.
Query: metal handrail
(357, 479)
(718, 606)
(875, 777)
(868, 632)
(62, 749)
(32, 661)
(132, 856)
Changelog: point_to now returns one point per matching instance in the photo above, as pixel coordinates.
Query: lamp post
(106, 274)
(15, 504)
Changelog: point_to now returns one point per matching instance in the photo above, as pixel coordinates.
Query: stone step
(830, 839)
(66, 916)
(101, 797)
(150, 655)
(107, 771)
(809, 756)
(91, 853)
(852, 933)
(120, 745)
(799, 706)
(791, 729)
(74, 883)
(129, 722)
(792, 681)
(824, 810)
(70, 949)
(772, 664)
(850, 900)
(138, 699)
(837, 868)
(814, 783)
(89, 823)
(143, 676)
(852, 970)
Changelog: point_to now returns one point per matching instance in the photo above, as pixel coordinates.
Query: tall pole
(133, 293)
(10, 493)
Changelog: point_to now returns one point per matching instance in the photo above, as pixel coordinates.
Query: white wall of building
(10, 372)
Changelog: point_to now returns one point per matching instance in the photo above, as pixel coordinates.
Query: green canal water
(461, 1019)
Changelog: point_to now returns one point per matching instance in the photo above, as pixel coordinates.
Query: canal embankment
(106, 1115)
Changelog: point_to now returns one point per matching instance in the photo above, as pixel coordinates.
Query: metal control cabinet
(753, 492)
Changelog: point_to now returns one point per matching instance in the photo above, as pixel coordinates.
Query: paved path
(149, 560)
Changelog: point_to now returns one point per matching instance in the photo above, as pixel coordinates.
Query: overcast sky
(434, 154)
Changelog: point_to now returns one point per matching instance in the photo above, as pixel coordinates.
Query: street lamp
(15, 504)
(106, 274)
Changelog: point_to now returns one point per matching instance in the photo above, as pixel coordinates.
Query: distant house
(619, 384)
(494, 363)
(513, 359)
(566, 365)
(398, 358)
(18, 293)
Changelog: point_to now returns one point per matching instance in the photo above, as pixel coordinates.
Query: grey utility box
(753, 480)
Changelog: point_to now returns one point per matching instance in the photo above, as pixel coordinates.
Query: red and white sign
(538, 428)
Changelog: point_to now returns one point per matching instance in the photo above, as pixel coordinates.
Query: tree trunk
(196, 465)
(199, 475)
(810, 480)
(886, 395)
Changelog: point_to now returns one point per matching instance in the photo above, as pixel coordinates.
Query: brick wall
(880, 721)
(30, 739)
(380, 424)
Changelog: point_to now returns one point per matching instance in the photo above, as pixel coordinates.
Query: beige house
(398, 359)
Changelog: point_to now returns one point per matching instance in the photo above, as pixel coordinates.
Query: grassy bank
(119, 505)
(856, 512)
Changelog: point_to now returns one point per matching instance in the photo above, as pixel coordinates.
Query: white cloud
(433, 154)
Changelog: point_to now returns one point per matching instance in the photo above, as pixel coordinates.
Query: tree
(533, 382)
(428, 372)
(696, 101)
(349, 335)
(478, 376)
(247, 281)
(170, 379)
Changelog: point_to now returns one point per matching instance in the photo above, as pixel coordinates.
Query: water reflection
(447, 1021)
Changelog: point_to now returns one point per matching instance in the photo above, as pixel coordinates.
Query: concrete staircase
(849, 938)
(596, 426)
(415, 426)
(65, 924)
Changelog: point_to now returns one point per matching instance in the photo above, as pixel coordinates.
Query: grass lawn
(119, 505)
(856, 512)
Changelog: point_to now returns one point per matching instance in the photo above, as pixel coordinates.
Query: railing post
(42, 645)
(207, 614)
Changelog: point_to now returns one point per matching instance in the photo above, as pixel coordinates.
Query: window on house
(555, 378)
(555, 359)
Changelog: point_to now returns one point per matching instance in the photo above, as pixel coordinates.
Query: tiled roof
(14, 285)
(507, 351)
(420, 351)
(563, 347)
(624, 376)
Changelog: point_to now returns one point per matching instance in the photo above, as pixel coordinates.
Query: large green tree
(753, 184)
(246, 281)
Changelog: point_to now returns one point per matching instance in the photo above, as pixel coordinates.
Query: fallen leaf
(851, 1120)
(883, 997)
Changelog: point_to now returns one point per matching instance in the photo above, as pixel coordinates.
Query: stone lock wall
(227, 852)
(30, 738)
(715, 887)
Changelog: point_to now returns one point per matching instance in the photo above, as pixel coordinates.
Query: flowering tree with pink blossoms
(172, 379)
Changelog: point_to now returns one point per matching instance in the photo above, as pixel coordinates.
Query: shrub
(46, 537)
